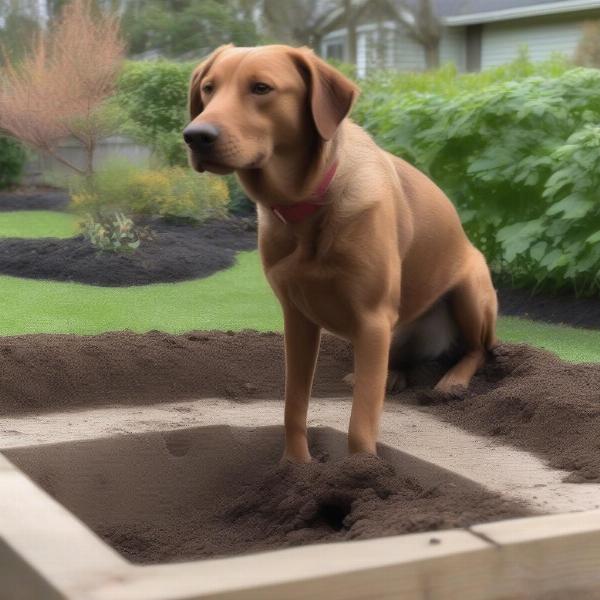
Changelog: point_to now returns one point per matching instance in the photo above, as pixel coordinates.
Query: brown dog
(352, 239)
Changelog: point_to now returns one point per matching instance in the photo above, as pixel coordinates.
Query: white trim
(360, 29)
(522, 12)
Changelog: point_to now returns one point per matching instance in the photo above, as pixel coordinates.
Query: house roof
(471, 12)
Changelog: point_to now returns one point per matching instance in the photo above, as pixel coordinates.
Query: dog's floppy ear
(331, 94)
(194, 99)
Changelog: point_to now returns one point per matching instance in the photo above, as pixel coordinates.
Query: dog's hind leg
(474, 307)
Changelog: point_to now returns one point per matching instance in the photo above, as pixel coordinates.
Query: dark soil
(43, 372)
(523, 396)
(562, 309)
(218, 491)
(175, 253)
(34, 199)
(533, 400)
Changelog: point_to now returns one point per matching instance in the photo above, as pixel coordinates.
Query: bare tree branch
(59, 88)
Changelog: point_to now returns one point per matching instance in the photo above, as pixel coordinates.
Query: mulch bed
(550, 308)
(34, 199)
(524, 396)
(175, 253)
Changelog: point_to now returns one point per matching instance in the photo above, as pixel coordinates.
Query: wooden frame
(45, 552)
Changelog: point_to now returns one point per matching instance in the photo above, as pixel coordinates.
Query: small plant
(113, 232)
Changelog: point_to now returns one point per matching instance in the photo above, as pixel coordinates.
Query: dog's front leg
(302, 338)
(371, 350)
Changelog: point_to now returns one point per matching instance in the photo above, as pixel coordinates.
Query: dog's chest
(317, 289)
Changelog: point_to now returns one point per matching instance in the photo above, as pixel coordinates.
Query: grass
(571, 344)
(36, 224)
(236, 299)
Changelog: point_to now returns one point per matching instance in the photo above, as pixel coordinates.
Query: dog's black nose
(201, 137)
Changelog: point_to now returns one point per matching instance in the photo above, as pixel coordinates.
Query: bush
(154, 97)
(12, 161)
(174, 193)
(520, 159)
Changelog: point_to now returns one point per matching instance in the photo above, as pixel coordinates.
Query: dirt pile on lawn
(45, 372)
(525, 397)
(531, 399)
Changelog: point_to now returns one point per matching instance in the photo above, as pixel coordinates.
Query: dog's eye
(260, 88)
(208, 88)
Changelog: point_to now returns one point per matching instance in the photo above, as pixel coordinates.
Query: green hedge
(520, 158)
(153, 95)
(516, 148)
(12, 161)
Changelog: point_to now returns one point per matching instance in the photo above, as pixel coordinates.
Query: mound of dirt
(42, 372)
(34, 199)
(523, 396)
(531, 399)
(176, 253)
(357, 497)
(218, 491)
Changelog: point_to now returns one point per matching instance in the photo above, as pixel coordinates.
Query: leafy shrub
(239, 203)
(174, 193)
(12, 161)
(519, 158)
(154, 97)
(113, 232)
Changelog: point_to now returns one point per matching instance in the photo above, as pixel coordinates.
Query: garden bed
(218, 491)
(174, 253)
(34, 199)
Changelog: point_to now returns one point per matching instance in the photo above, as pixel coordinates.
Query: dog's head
(247, 104)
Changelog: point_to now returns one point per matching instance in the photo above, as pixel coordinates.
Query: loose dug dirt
(217, 491)
(176, 253)
(42, 373)
(524, 396)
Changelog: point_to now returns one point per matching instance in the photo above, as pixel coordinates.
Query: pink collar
(295, 213)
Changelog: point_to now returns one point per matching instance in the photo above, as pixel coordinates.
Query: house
(474, 34)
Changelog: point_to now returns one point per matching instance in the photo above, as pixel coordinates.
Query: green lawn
(37, 223)
(238, 298)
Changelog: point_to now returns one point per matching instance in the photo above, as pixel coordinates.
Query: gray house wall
(543, 37)
(470, 46)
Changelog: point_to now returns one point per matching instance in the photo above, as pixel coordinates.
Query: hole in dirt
(333, 515)
(219, 491)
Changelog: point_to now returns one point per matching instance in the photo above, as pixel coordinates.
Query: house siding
(452, 47)
(501, 41)
(410, 55)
